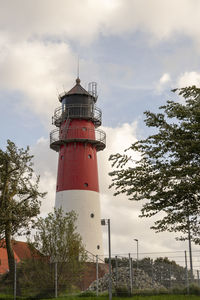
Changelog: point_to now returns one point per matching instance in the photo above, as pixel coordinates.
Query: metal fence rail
(77, 111)
(95, 137)
(153, 271)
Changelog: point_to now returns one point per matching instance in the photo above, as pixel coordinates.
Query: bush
(177, 290)
(194, 289)
(150, 292)
(87, 294)
(122, 291)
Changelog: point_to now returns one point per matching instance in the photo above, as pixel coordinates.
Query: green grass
(156, 297)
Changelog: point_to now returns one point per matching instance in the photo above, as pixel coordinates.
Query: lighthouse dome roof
(76, 90)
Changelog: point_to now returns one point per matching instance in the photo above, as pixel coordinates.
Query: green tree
(57, 242)
(19, 196)
(168, 273)
(167, 176)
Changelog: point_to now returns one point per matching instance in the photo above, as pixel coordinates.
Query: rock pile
(122, 278)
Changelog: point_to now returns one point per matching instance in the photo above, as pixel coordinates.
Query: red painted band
(77, 165)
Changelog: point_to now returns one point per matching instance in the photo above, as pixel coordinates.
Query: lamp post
(137, 251)
(107, 222)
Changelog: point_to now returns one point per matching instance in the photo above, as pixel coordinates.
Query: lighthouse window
(89, 156)
(85, 184)
(84, 128)
(98, 247)
(92, 215)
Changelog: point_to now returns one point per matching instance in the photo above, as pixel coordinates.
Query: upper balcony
(94, 137)
(77, 111)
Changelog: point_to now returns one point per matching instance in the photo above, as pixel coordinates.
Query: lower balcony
(96, 137)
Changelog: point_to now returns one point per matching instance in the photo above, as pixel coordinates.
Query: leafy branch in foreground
(167, 176)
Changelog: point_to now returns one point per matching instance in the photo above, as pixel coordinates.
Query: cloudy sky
(136, 50)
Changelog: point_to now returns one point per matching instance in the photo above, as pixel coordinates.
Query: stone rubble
(140, 280)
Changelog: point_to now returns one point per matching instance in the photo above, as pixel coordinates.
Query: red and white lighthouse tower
(77, 140)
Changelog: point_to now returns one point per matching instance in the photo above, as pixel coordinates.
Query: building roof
(21, 251)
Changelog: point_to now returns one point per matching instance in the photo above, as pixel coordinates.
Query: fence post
(170, 275)
(56, 280)
(116, 268)
(152, 274)
(97, 275)
(198, 277)
(186, 274)
(130, 273)
(15, 280)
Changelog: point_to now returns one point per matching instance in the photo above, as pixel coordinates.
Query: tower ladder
(66, 127)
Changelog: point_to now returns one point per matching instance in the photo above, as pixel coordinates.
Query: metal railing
(95, 137)
(79, 111)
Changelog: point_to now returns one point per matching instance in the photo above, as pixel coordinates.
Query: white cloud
(73, 19)
(85, 20)
(163, 83)
(165, 78)
(189, 79)
(36, 70)
(162, 19)
(45, 165)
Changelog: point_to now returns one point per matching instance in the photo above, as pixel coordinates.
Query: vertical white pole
(152, 273)
(130, 273)
(198, 276)
(15, 280)
(116, 268)
(186, 274)
(56, 280)
(170, 276)
(97, 274)
(110, 271)
(190, 251)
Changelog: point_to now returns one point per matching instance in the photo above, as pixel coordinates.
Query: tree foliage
(167, 176)
(19, 195)
(58, 243)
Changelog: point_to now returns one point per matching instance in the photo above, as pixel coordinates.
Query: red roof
(21, 251)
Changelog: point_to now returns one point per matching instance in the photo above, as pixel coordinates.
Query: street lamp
(107, 222)
(137, 251)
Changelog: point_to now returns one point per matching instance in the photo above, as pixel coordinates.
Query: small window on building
(84, 128)
(92, 215)
(98, 247)
(86, 184)
(62, 156)
(57, 187)
(89, 156)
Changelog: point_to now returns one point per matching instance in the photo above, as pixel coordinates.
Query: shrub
(122, 291)
(194, 289)
(177, 290)
(87, 294)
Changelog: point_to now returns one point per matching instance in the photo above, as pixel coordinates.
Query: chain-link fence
(164, 272)
(158, 272)
(40, 278)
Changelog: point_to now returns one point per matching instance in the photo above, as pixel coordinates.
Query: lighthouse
(77, 139)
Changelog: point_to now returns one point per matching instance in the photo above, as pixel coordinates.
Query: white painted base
(84, 203)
